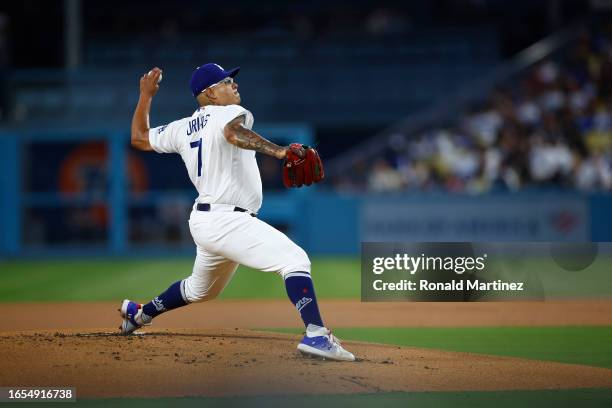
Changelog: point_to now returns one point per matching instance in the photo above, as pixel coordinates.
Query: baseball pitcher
(218, 146)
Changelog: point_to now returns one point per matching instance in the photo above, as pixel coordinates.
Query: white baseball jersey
(225, 174)
(221, 172)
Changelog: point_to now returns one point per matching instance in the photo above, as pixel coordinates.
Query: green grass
(100, 280)
(576, 345)
(335, 277)
(499, 399)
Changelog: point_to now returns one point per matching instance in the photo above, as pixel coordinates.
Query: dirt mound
(244, 362)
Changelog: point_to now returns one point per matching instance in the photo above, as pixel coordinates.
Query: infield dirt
(243, 362)
(64, 345)
(336, 313)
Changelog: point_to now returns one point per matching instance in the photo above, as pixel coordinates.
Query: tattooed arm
(236, 134)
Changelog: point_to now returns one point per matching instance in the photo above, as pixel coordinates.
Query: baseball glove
(302, 166)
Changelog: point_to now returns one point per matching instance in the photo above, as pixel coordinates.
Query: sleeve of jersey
(231, 112)
(164, 139)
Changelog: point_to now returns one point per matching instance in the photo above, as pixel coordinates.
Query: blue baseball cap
(207, 75)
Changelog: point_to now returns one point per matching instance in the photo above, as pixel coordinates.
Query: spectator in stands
(552, 130)
(384, 178)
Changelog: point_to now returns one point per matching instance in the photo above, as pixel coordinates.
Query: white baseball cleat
(320, 342)
(132, 317)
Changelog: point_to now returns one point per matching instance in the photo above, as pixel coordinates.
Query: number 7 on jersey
(198, 144)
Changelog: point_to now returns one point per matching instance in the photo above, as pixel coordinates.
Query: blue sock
(302, 295)
(171, 299)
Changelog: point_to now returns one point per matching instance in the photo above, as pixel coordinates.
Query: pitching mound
(244, 362)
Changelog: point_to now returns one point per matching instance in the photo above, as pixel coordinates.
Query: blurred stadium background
(448, 120)
(441, 120)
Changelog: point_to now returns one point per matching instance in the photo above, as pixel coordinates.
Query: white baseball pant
(225, 239)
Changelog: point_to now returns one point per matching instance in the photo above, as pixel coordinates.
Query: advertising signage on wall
(542, 218)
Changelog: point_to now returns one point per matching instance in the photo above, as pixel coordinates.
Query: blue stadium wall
(323, 222)
(339, 224)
